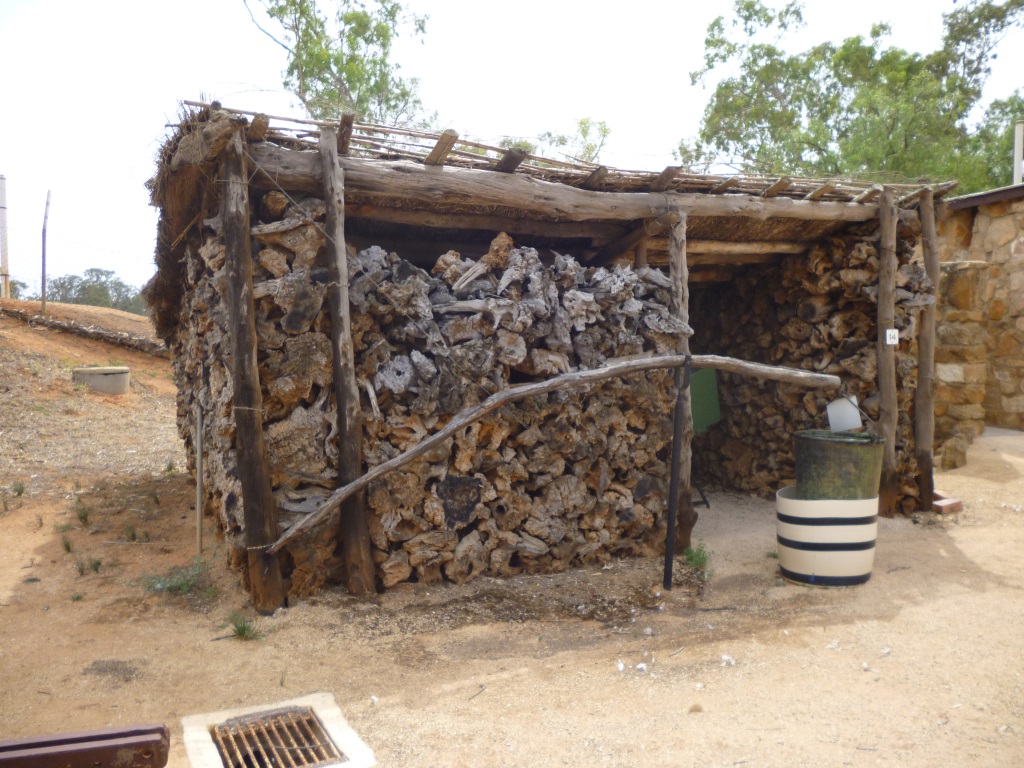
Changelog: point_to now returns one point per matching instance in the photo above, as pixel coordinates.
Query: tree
(344, 64)
(584, 146)
(18, 289)
(97, 288)
(850, 109)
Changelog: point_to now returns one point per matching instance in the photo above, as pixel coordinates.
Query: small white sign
(892, 336)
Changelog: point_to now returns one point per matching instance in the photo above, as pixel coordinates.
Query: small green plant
(18, 488)
(182, 580)
(243, 627)
(77, 597)
(698, 558)
(130, 534)
(95, 564)
(39, 522)
(772, 555)
(31, 579)
(155, 496)
(76, 485)
(61, 527)
(82, 513)
(80, 566)
(169, 469)
(145, 536)
(65, 542)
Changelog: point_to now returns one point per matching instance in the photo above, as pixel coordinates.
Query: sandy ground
(920, 667)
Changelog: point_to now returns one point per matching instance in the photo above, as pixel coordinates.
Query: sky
(87, 91)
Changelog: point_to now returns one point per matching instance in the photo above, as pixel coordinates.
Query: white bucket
(843, 415)
(825, 542)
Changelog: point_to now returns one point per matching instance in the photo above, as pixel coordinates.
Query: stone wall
(960, 370)
(992, 234)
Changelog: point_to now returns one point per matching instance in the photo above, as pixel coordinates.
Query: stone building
(980, 354)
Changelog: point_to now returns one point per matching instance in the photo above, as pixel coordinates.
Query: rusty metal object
(291, 737)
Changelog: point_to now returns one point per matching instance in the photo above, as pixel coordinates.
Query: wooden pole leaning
(258, 504)
(888, 406)
(354, 524)
(924, 401)
(686, 515)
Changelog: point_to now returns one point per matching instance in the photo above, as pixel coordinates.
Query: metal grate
(282, 738)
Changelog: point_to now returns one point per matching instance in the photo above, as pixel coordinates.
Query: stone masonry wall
(960, 370)
(994, 235)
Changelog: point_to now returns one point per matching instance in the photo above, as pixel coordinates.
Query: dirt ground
(920, 667)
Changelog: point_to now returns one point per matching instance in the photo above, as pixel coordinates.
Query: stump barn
(337, 296)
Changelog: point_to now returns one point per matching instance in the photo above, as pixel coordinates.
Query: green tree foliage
(343, 64)
(97, 288)
(585, 145)
(857, 107)
(18, 289)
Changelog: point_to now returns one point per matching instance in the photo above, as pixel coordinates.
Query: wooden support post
(665, 178)
(723, 185)
(354, 526)
(347, 125)
(445, 143)
(593, 181)
(640, 255)
(888, 406)
(924, 402)
(640, 233)
(819, 192)
(686, 516)
(511, 160)
(258, 505)
(778, 187)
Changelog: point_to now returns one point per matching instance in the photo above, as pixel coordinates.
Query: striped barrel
(825, 542)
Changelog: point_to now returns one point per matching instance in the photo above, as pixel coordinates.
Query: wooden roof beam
(403, 180)
(638, 234)
(593, 181)
(485, 222)
(665, 178)
(723, 185)
(511, 160)
(777, 187)
(868, 194)
(739, 247)
(445, 143)
(660, 259)
(819, 192)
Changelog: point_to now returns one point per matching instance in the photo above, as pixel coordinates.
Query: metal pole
(5, 272)
(46, 216)
(1018, 151)
(199, 478)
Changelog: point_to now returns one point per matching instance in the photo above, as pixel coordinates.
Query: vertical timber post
(200, 494)
(353, 526)
(258, 505)
(924, 402)
(5, 270)
(888, 411)
(686, 516)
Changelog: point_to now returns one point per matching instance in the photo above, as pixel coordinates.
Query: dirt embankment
(920, 667)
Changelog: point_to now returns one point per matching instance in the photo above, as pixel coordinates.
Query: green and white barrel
(825, 542)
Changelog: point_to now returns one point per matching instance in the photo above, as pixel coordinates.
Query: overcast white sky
(86, 89)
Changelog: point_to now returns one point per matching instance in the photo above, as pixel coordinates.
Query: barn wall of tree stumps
(565, 479)
(815, 312)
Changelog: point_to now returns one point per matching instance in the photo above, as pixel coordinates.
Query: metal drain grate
(282, 738)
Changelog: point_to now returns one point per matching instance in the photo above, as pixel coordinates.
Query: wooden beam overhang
(401, 180)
